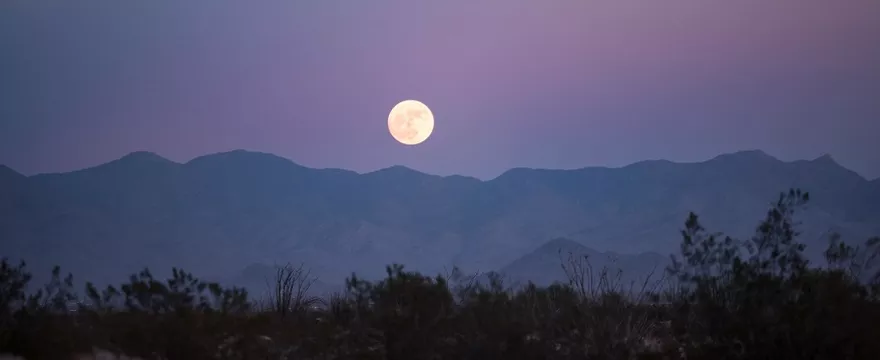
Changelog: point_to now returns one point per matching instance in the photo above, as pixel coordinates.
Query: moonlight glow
(410, 122)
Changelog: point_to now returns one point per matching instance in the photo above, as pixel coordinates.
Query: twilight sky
(550, 84)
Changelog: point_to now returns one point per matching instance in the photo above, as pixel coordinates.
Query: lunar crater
(410, 122)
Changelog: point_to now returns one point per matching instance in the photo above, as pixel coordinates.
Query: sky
(512, 83)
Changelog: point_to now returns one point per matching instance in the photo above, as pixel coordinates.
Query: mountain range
(561, 260)
(222, 213)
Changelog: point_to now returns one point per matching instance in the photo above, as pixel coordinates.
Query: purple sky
(551, 84)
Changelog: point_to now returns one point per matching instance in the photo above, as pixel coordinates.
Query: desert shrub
(731, 299)
(761, 298)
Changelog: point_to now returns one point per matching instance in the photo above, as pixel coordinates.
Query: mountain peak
(746, 155)
(241, 156)
(135, 161)
(144, 156)
(398, 170)
(751, 152)
(826, 158)
(827, 165)
(514, 173)
(141, 159)
(561, 244)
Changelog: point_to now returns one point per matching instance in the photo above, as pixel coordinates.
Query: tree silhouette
(732, 299)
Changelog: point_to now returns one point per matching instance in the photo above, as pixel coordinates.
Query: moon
(410, 122)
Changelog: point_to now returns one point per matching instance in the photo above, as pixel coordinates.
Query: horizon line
(755, 152)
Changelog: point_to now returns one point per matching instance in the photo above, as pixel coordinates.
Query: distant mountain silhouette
(7, 173)
(219, 213)
(10, 179)
(12, 185)
(626, 272)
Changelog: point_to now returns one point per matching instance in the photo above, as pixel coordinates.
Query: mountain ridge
(222, 212)
(142, 156)
(8, 172)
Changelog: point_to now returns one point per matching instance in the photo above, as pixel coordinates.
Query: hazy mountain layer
(220, 213)
(562, 260)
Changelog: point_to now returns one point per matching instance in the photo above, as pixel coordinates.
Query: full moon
(410, 122)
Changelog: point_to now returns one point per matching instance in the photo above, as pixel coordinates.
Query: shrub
(731, 299)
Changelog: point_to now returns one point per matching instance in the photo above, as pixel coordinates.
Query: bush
(731, 299)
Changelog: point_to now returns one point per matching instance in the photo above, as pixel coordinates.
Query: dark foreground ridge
(723, 299)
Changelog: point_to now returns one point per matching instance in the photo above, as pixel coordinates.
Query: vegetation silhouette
(722, 298)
